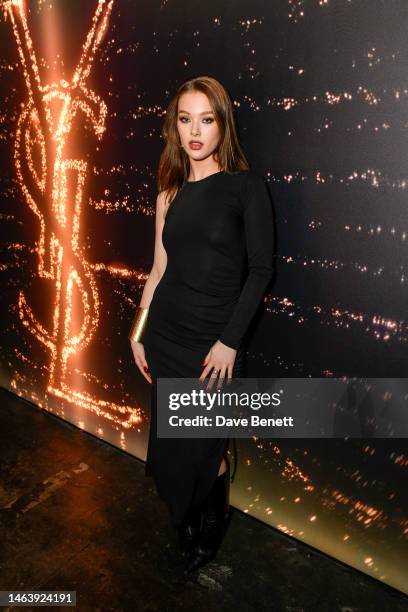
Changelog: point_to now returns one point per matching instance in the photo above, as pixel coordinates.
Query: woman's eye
(206, 120)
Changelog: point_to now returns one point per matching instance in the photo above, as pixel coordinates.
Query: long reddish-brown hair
(174, 163)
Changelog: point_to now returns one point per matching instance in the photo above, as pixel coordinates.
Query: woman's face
(196, 124)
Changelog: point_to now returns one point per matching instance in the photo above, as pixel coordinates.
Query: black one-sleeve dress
(218, 236)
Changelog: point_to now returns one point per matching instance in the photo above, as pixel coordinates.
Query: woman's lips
(195, 145)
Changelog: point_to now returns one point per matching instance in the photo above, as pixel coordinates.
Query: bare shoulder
(164, 201)
(161, 198)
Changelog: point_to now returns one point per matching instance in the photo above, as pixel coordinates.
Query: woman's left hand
(222, 358)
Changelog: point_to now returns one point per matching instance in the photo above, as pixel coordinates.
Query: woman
(212, 263)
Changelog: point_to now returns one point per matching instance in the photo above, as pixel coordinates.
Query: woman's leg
(223, 467)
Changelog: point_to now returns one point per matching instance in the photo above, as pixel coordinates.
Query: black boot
(190, 528)
(215, 519)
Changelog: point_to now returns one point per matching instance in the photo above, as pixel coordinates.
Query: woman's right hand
(140, 359)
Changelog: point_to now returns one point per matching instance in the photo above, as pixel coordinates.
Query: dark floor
(79, 514)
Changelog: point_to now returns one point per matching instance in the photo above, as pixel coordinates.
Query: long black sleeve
(259, 235)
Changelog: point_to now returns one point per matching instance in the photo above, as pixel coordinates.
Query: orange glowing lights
(52, 178)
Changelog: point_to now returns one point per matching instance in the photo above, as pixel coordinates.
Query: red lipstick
(195, 144)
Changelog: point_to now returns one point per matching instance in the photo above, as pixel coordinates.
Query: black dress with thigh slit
(218, 236)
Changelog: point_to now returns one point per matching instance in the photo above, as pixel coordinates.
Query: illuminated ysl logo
(52, 180)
